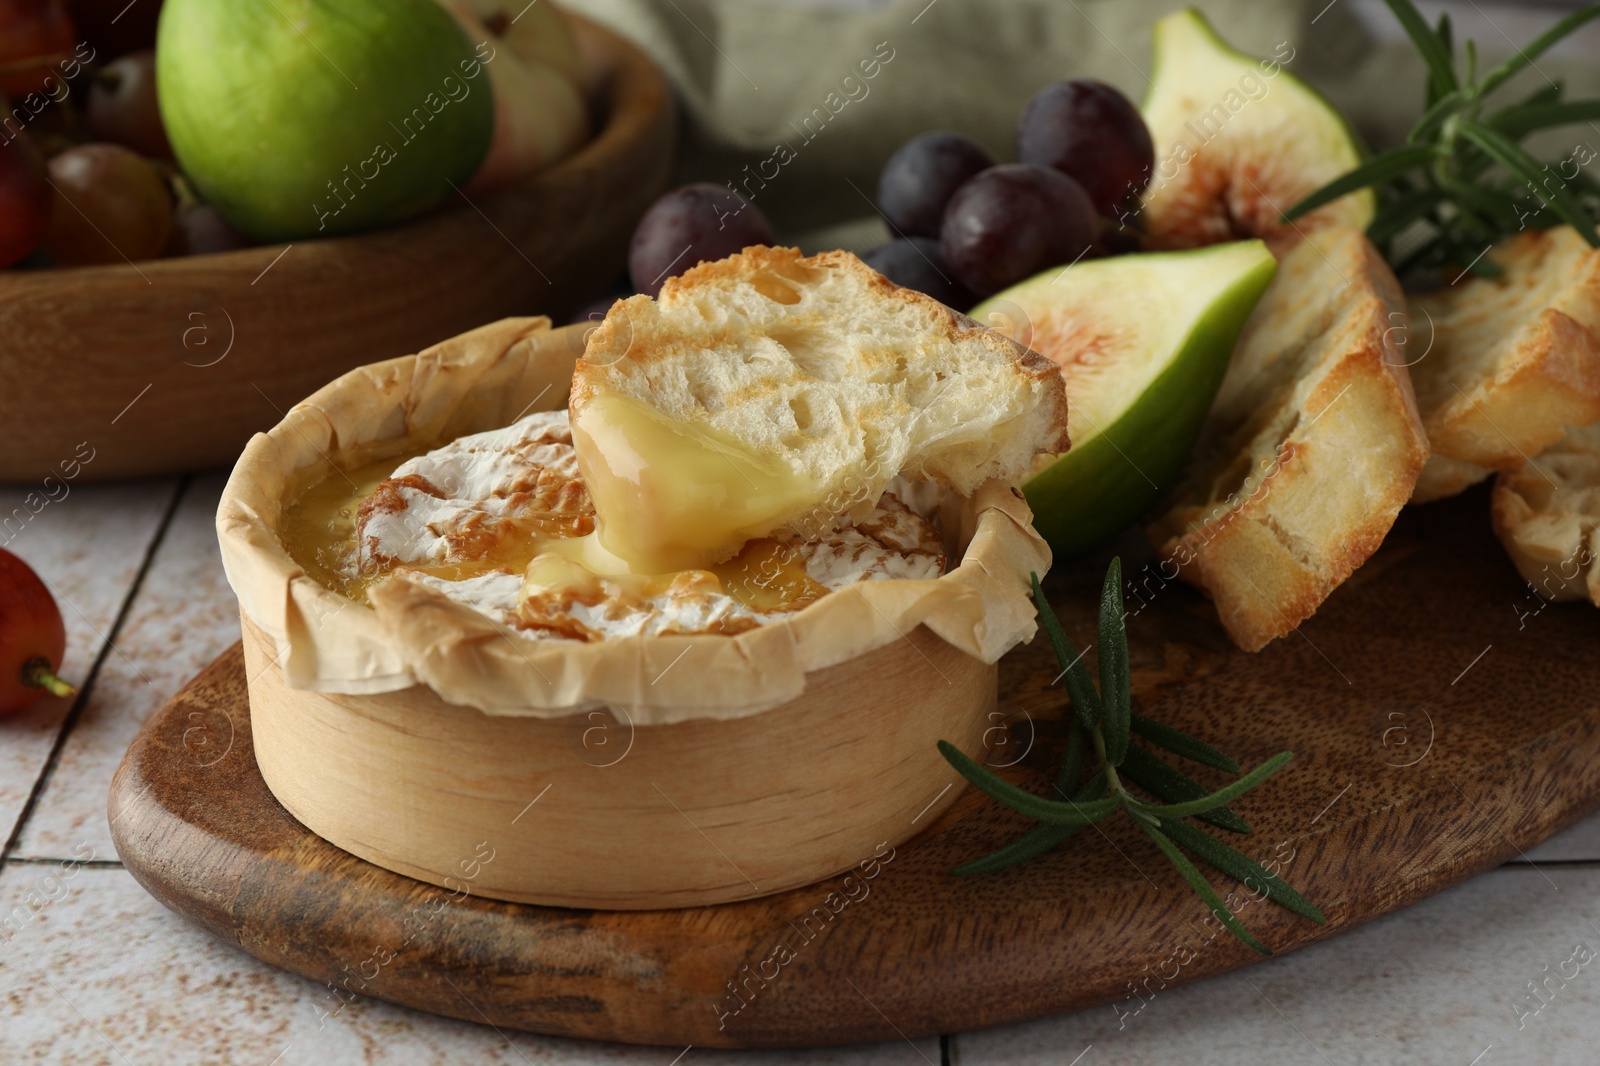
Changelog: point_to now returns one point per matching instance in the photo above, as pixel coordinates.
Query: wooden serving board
(1441, 723)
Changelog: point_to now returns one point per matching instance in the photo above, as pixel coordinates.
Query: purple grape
(1092, 134)
(1012, 221)
(690, 225)
(919, 179)
(917, 263)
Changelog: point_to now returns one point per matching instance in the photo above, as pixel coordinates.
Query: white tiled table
(105, 974)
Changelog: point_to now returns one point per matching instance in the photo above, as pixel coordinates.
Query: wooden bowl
(679, 789)
(172, 364)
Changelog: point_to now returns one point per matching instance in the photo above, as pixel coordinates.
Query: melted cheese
(503, 522)
(675, 495)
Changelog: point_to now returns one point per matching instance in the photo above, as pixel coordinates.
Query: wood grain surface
(1441, 723)
(170, 365)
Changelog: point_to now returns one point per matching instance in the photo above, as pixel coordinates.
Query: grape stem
(36, 673)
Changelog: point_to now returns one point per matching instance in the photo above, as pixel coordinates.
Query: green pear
(1143, 342)
(308, 118)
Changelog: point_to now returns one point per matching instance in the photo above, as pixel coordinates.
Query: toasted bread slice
(1547, 513)
(1515, 359)
(1311, 449)
(823, 365)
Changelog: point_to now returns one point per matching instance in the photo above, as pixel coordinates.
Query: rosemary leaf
(1441, 72)
(1030, 845)
(1038, 840)
(1428, 125)
(1222, 796)
(1114, 696)
(1202, 887)
(1022, 801)
(1149, 772)
(1181, 743)
(1517, 122)
(1405, 210)
(1080, 690)
(1524, 166)
(1534, 49)
(1495, 209)
(1072, 762)
(1380, 168)
(1242, 868)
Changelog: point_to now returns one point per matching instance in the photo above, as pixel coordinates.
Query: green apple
(1238, 141)
(1143, 342)
(306, 118)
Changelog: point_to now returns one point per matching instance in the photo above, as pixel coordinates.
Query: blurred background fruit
(122, 105)
(917, 263)
(360, 113)
(1093, 134)
(26, 198)
(111, 206)
(538, 78)
(1012, 221)
(1220, 182)
(923, 174)
(32, 638)
(35, 36)
(200, 229)
(115, 27)
(689, 225)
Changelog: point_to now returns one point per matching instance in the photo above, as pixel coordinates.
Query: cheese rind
(467, 519)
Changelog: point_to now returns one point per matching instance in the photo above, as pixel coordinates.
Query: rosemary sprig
(1462, 180)
(1103, 723)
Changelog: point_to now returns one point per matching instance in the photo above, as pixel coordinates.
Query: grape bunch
(966, 224)
(969, 226)
(86, 173)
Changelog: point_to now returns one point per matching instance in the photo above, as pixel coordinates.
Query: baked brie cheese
(772, 429)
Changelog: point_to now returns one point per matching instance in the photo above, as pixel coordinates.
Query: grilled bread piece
(1515, 359)
(1311, 449)
(1547, 513)
(825, 366)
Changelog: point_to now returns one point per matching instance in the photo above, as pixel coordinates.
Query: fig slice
(1143, 342)
(1238, 142)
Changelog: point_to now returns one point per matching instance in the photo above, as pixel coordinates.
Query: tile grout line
(86, 690)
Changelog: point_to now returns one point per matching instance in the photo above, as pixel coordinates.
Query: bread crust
(1547, 514)
(821, 362)
(1515, 359)
(1311, 451)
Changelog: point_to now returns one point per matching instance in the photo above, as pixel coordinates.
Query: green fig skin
(1112, 478)
(310, 118)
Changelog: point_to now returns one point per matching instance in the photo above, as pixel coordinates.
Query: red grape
(200, 229)
(111, 205)
(35, 36)
(919, 179)
(917, 263)
(693, 224)
(122, 105)
(25, 198)
(1012, 221)
(1094, 135)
